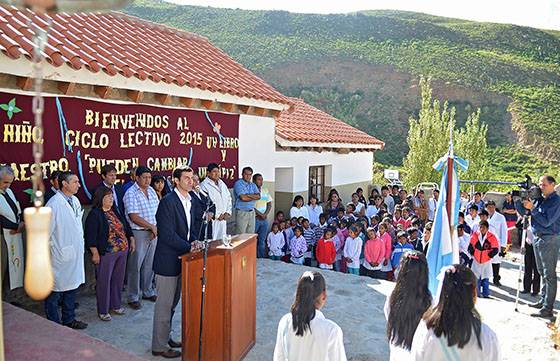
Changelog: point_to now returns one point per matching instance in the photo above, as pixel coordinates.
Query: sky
(544, 14)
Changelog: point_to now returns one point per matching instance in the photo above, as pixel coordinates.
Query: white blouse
(426, 346)
(299, 212)
(314, 213)
(323, 343)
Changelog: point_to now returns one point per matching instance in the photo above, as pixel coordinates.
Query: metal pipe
(487, 182)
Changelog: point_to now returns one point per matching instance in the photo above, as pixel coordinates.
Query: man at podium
(175, 215)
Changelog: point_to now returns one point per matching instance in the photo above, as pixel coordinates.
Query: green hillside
(363, 68)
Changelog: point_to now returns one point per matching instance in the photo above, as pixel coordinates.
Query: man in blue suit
(176, 215)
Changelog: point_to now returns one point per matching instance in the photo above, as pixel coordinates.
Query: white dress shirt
(322, 342)
(186, 202)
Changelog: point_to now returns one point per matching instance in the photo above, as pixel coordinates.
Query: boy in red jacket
(326, 250)
(483, 246)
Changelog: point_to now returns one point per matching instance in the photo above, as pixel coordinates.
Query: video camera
(529, 190)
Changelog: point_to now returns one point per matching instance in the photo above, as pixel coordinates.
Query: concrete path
(355, 303)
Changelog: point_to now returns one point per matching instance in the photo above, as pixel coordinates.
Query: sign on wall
(83, 135)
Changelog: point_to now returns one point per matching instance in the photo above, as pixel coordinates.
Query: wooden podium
(230, 313)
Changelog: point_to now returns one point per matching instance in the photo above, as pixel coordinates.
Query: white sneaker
(105, 317)
(119, 311)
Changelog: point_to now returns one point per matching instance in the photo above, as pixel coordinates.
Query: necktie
(12, 205)
(70, 203)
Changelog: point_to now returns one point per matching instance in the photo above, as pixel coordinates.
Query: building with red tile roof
(115, 58)
(306, 125)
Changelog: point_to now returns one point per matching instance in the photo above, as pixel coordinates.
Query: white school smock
(66, 243)
(427, 347)
(299, 212)
(275, 242)
(353, 249)
(498, 226)
(221, 197)
(484, 270)
(314, 214)
(471, 222)
(322, 342)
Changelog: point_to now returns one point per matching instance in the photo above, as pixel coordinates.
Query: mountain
(364, 68)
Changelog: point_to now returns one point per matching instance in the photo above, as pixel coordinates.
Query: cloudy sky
(536, 13)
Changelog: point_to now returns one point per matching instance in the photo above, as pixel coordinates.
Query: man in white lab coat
(498, 226)
(219, 194)
(11, 227)
(67, 251)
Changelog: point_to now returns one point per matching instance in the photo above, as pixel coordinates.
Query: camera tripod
(525, 225)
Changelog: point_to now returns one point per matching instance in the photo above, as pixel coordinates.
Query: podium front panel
(213, 328)
(243, 301)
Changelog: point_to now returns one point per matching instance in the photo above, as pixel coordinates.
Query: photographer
(545, 225)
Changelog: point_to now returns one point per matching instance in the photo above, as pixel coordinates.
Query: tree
(471, 144)
(428, 140)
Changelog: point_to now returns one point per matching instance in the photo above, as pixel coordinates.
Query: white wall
(345, 168)
(257, 145)
(257, 149)
(284, 179)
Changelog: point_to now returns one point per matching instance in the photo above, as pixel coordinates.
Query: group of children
(368, 240)
(346, 240)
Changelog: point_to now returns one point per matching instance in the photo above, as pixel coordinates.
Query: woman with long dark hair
(298, 208)
(333, 203)
(406, 305)
(305, 334)
(453, 329)
(159, 184)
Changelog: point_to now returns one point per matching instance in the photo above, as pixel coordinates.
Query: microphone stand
(206, 243)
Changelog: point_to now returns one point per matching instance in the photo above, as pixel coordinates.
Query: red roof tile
(123, 45)
(309, 124)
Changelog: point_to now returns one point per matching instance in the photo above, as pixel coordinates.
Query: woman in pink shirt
(374, 253)
(388, 242)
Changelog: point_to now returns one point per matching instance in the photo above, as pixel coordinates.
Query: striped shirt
(319, 232)
(135, 201)
(309, 235)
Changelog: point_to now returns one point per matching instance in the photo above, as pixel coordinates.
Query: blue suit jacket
(197, 222)
(174, 234)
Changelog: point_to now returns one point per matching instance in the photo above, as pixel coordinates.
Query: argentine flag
(443, 249)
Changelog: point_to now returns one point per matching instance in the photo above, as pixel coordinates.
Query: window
(317, 182)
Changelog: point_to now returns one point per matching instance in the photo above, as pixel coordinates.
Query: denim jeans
(261, 229)
(68, 306)
(546, 255)
(483, 283)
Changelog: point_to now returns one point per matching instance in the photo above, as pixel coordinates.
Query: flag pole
(449, 198)
(449, 194)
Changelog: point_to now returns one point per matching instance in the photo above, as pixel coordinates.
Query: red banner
(82, 135)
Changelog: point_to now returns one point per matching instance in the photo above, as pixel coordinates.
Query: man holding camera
(545, 224)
